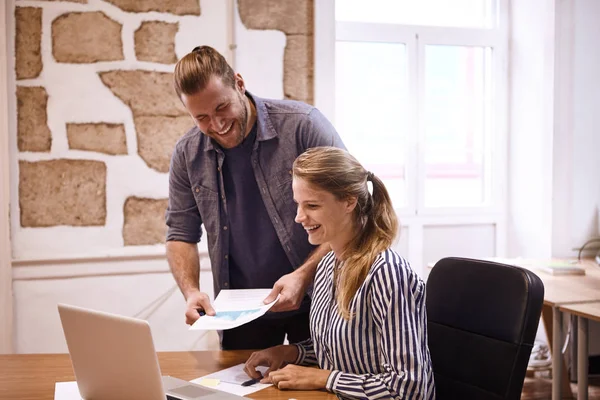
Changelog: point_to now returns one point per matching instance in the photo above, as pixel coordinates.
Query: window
(417, 90)
(421, 105)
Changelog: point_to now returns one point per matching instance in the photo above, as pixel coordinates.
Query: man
(232, 173)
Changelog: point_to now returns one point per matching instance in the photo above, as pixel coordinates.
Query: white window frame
(414, 215)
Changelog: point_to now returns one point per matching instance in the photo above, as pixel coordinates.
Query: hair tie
(370, 182)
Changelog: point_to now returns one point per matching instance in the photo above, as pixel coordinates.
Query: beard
(242, 123)
(243, 118)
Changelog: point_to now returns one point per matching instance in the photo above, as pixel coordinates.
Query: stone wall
(295, 18)
(96, 116)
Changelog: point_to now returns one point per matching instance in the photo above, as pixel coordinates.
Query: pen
(251, 382)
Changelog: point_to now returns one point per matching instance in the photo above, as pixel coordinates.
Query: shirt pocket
(284, 197)
(208, 205)
(284, 180)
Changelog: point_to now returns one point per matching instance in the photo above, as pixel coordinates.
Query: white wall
(554, 168)
(6, 303)
(531, 113)
(582, 158)
(554, 165)
(577, 164)
(48, 268)
(140, 288)
(585, 152)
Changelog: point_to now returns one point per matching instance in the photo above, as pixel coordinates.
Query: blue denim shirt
(285, 129)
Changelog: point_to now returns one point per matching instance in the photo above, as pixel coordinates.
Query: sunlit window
(416, 97)
(458, 13)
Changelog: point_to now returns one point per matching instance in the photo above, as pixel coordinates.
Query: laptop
(113, 357)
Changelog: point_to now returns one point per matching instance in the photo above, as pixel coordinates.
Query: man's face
(220, 111)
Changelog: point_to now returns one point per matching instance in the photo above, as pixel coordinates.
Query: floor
(541, 388)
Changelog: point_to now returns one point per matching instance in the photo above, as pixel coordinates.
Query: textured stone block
(103, 138)
(156, 137)
(155, 42)
(145, 92)
(177, 7)
(295, 19)
(298, 68)
(86, 38)
(62, 192)
(71, 1)
(144, 221)
(288, 16)
(33, 133)
(28, 39)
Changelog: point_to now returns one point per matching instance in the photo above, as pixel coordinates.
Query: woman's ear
(351, 204)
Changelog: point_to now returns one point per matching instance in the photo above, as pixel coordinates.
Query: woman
(368, 322)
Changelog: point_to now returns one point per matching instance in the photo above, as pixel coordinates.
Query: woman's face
(325, 218)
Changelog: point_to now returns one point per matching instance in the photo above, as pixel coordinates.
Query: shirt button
(225, 228)
(226, 256)
(223, 196)
(225, 284)
(197, 190)
(219, 169)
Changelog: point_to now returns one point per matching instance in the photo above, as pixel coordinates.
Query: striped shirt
(382, 351)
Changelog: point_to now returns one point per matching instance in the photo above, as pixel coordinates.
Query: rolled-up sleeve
(182, 216)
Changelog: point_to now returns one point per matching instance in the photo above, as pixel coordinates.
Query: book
(562, 268)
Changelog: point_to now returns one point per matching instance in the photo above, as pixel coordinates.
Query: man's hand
(299, 378)
(273, 357)
(196, 302)
(291, 289)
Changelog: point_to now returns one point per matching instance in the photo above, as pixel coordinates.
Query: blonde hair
(195, 69)
(339, 173)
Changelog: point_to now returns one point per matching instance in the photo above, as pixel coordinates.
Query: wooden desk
(32, 376)
(584, 312)
(561, 290)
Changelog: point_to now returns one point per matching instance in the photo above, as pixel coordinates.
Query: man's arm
(185, 266)
(184, 221)
(292, 287)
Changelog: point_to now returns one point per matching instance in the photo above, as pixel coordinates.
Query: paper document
(230, 380)
(66, 391)
(234, 308)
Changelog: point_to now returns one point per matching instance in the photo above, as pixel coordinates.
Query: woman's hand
(273, 357)
(298, 378)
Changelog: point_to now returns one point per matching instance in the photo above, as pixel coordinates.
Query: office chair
(482, 319)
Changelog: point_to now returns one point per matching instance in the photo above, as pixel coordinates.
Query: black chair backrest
(482, 319)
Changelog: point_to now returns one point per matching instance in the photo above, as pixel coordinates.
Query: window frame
(414, 215)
